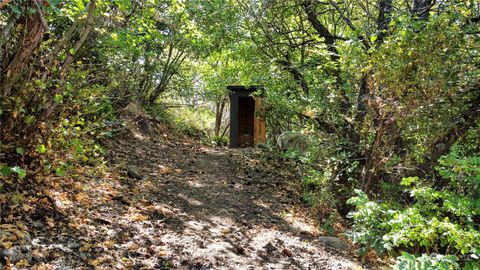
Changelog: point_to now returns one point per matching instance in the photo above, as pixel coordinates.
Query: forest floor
(171, 203)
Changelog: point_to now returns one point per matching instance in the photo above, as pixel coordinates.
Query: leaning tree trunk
(16, 66)
(27, 44)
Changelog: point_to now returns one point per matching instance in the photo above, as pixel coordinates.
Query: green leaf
(5, 170)
(58, 98)
(408, 181)
(20, 150)
(80, 5)
(41, 149)
(60, 171)
(21, 172)
(29, 119)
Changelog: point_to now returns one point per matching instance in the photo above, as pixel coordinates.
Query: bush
(439, 227)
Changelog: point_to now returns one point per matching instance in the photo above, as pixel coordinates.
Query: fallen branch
(4, 3)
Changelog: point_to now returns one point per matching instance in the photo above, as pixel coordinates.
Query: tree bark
(421, 8)
(220, 107)
(384, 18)
(444, 143)
(34, 31)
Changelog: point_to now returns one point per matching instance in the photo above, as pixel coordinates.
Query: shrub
(439, 227)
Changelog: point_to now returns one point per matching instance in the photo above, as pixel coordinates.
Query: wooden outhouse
(247, 117)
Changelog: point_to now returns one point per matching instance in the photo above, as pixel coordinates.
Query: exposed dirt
(194, 207)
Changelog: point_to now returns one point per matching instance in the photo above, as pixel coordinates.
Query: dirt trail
(194, 208)
(214, 214)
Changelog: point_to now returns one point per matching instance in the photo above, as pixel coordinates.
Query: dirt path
(194, 208)
(214, 214)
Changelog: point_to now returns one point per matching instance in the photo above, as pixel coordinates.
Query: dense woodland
(387, 93)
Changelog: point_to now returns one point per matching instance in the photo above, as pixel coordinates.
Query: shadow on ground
(213, 213)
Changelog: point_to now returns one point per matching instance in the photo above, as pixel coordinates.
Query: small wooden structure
(247, 117)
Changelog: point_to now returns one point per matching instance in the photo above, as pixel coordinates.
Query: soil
(191, 207)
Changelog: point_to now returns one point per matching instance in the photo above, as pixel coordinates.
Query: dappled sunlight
(191, 201)
(194, 205)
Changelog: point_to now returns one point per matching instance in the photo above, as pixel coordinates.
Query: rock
(16, 254)
(73, 245)
(334, 242)
(269, 248)
(134, 172)
(64, 268)
(293, 141)
(287, 252)
(240, 250)
(274, 221)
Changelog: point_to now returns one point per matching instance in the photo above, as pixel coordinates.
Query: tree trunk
(34, 30)
(219, 108)
(443, 144)
(421, 8)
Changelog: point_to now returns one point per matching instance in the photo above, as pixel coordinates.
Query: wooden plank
(233, 120)
(260, 128)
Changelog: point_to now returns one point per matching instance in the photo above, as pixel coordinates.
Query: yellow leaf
(26, 207)
(22, 263)
(99, 261)
(7, 245)
(109, 243)
(133, 247)
(139, 217)
(85, 247)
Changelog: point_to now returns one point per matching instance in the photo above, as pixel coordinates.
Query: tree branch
(443, 144)
(4, 3)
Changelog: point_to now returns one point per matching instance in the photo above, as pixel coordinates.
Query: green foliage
(20, 150)
(193, 122)
(6, 171)
(378, 99)
(438, 221)
(41, 149)
(426, 262)
(19, 171)
(318, 190)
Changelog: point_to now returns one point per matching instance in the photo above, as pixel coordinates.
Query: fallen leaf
(109, 243)
(7, 245)
(50, 222)
(8, 265)
(26, 207)
(22, 263)
(139, 217)
(85, 247)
